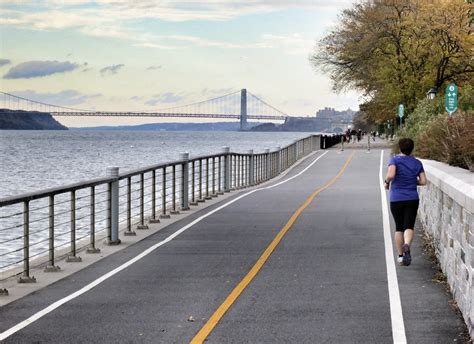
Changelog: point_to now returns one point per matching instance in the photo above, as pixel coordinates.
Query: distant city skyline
(146, 55)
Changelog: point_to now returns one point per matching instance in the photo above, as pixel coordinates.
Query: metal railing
(38, 228)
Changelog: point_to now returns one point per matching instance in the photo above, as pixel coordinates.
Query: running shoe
(400, 260)
(406, 255)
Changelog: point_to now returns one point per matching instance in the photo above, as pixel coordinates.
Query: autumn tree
(395, 50)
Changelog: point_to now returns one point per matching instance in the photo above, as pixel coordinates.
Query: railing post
(51, 267)
(233, 183)
(200, 198)
(278, 162)
(184, 181)
(72, 258)
(214, 192)
(227, 168)
(113, 235)
(92, 248)
(193, 183)
(26, 278)
(174, 210)
(154, 218)
(268, 171)
(240, 168)
(219, 176)
(129, 231)
(208, 195)
(251, 168)
(142, 224)
(163, 215)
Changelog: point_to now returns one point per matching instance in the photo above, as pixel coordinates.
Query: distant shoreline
(28, 120)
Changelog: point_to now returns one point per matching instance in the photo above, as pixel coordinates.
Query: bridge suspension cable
(14, 102)
(265, 108)
(225, 106)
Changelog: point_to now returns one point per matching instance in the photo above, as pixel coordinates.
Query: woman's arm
(422, 178)
(392, 170)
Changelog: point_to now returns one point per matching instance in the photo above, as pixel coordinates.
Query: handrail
(30, 196)
(129, 200)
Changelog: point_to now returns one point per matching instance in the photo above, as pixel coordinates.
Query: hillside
(217, 126)
(302, 124)
(28, 120)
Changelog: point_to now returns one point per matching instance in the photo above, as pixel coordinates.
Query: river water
(35, 160)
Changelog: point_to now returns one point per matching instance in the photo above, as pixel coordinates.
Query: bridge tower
(243, 109)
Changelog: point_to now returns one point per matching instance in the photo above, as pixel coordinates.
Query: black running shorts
(404, 214)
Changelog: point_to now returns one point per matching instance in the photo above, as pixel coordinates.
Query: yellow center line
(224, 307)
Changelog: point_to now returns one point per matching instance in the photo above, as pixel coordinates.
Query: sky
(143, 55)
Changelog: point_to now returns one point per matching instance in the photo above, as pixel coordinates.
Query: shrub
(417, 121)
(448, 139)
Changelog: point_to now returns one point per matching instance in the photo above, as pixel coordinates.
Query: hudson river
(35, 160)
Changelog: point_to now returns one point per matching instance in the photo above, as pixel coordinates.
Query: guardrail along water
(38, 228)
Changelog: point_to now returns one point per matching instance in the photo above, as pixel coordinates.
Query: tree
(395, 50)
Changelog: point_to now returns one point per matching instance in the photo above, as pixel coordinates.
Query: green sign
(451, 98)
(401, 109)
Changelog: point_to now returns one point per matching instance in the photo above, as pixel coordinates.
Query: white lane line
(101, 279)
(398, 326)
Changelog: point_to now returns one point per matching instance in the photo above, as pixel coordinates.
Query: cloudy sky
(149, 54)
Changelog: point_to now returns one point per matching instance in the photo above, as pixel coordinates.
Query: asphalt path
(326, 281)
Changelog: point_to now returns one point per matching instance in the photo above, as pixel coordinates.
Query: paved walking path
(325, 282)
(378, 143)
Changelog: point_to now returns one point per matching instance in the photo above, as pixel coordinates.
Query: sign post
(451, 98)
(401, 110)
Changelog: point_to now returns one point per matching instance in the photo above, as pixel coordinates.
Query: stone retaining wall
(447, 214)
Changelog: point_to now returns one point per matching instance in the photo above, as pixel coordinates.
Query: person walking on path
(404, 174)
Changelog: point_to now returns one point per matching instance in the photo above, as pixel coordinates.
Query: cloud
(291, 44)
(110, 70)
(157, 46)
(63, 98)
(154, 67)
(165, 98)
(4, 62)
(34, 69)
(206, 92)
(115, 18)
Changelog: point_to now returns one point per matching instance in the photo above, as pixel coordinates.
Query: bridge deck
(325, 282)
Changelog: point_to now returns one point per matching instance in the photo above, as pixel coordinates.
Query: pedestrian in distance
(353, 135)
(404, 174)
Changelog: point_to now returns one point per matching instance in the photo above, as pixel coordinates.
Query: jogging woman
(404, 174)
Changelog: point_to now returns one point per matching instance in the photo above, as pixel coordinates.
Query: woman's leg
(397, 212)
(408, 236)
(409, 224)
(399, 241)
(409, 219)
